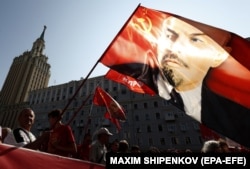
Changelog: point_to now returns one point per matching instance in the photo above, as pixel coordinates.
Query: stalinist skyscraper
(28, 72)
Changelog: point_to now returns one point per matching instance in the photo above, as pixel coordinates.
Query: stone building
(29, 71)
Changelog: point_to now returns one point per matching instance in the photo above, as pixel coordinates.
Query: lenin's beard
(169, 73)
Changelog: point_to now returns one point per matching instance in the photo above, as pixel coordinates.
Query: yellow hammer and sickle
(143, 24)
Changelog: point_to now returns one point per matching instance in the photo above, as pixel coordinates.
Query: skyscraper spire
(42, 35)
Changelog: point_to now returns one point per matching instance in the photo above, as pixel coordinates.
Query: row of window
(163, 141)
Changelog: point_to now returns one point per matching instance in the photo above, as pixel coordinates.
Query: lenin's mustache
(173, 56)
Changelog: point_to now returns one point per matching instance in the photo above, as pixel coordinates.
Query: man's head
(55, 116)
(114, 146)
(211, 146)
(26, 118)
(185, 54)
(123, 146)
(103, 135)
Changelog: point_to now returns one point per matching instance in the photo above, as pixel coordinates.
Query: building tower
(29, 71)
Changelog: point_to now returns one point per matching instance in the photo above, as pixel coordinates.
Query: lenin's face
(185, 54)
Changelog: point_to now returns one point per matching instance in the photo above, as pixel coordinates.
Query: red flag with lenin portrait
(115, 112)
(207, 67)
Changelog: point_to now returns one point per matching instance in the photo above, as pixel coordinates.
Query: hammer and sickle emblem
(143, 24)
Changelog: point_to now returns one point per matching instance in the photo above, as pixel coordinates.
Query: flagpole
(83, 103)
(85, 79)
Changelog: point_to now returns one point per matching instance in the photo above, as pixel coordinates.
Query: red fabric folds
(21, 158)
(115, 111)
(129, 82)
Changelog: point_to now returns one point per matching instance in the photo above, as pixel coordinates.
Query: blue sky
(79, 31)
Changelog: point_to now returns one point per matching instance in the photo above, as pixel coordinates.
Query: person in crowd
(114, 146)
(22, 135)
(123, 146)
(153, 150)
(84, 148)
(135, 149)
(98, 148)
(61, 140)
(211, 146)
(4, 131)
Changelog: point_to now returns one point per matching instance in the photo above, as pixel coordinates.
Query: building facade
(29, 71)
(151, 120)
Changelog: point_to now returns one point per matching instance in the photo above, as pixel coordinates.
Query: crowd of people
(60, 140)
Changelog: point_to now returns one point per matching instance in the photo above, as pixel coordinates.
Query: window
(162, 140)
(171, 128)
(123, 91)
(145, 105)
(196, 126)
(138, 130)
(149, 129)
(183, 127)
(174, 140)
(169, 116)
(150, 141)
(160, 128)
(135, 106)
(70, 90)
(58, 91)
(155, 104)
(188, 140)
(136, 118)
(158, 116)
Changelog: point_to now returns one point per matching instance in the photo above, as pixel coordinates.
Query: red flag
(207, 66)
(115, 112)
(130, 82)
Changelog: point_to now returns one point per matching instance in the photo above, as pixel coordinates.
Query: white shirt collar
(192, 102)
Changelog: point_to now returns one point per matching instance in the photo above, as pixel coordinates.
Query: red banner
(129, 82)
(21, 158)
